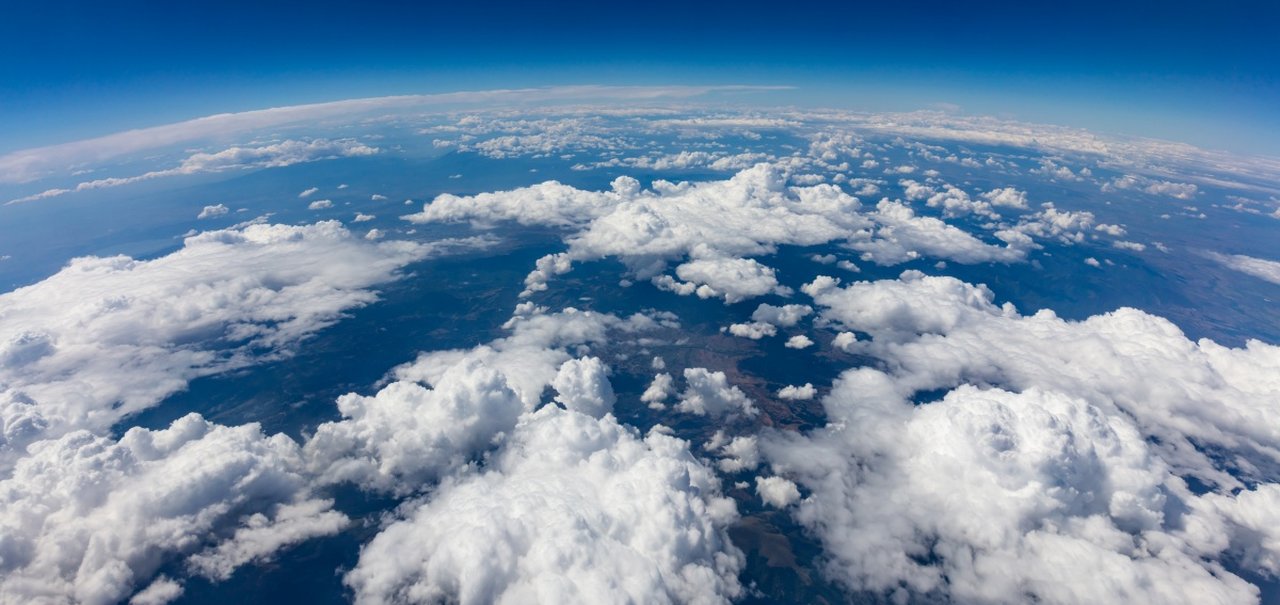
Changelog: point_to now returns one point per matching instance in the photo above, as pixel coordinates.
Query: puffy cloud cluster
(1056, 455)
(952, 200)
(784, 316)
(213, 211)
(754, 330)
(1180, 191)
(659, 390)
(407, 435)
(85, 518)
(797, 393)
(1065, 226)
(996, 497)
(1008, 197)
(530, 356)
(766, 320)
(106, 337)
(573, 509)
(582, 385)
(714, 225)
(708, 393)
(733, 279)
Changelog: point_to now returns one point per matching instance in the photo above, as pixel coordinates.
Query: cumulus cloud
(777, 491)
(86, 518)
(714, 225)
(797, 393)
(799, 341)
(530, 357)
(1008, 197)
(659, 390)
(754, 330)
(573, 509)
(163, 590)
(977, 515)
(106, 337)
(263, 535)
(320, 205)
(738, 454)
(1180, 191)
(582, 385)
(784, 316)
(408, 435)
(213, 211)
(733, 279)
(709, 393)
(1057, 453)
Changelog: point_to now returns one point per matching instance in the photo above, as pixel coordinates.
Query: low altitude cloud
(711, 227)
(1052, 466)
(573, 509)
(106, 337)
(87, 519)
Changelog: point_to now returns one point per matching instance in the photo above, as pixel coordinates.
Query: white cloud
(754, 330)
(1112, 230)
(261, 536)
(30, 164)
(1263, 269)
(284, 153)
(733, 279)
(1007, 197)
(320, 205)
(709, 393)
(529, 358)
(997, 497)
(940, 332)
(845, 341)
(799, 341)
(777, 491)
(1055, 456)
(785, 316)
(1180, 191)
(797, 393)
(106, 337)
(363, 218)
(658, 391)
(582, 385)
(86, 518)
(163, 590)
(573, 509)
(715, 224)
(739, 454)
(213, 211)
(407, 435)
(904, 236)
(306, 193)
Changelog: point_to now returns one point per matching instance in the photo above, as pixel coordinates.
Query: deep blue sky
(1202, 72)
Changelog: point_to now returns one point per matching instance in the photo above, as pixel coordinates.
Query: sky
(1205, 73)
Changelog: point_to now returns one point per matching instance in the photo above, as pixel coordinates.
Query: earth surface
(642, 352)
